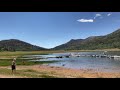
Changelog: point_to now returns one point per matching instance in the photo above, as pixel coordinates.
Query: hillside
(17, 45)
(109, 41)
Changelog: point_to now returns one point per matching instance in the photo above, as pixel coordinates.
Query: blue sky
(50, 29)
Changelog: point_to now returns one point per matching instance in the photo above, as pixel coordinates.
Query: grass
(11, 55)
(6, 59)
(47, 76)
(21, 53)
(7, 62)
(27, 73)
(35, 62)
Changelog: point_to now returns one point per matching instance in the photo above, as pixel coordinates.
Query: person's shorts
(13, 67)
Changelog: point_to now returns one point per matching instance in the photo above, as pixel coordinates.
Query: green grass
(21, 53)
(47, 76)
(29, 73)
(35, 62)
(7, 62)
(11, 55)
(6, 57)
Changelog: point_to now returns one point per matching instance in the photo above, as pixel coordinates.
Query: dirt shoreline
(62, 72)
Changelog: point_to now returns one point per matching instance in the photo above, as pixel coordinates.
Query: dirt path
(9, 76)
(61, 72)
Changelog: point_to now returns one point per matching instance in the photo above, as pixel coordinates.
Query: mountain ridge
(108, 41)
(18, 45)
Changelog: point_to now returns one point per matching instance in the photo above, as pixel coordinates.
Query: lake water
(96, 63)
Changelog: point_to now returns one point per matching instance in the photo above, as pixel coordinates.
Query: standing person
(13, 65)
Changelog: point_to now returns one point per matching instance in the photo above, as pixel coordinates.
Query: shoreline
(57, 72)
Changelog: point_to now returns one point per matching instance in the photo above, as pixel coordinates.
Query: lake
(83, 61)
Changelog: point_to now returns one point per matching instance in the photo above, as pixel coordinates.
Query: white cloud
(85, 20)
(109, 14)
(97, 15)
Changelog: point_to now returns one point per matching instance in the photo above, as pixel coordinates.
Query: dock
(94, 55)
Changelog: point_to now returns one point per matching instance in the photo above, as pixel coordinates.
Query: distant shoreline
(11, 55)
(114, 49)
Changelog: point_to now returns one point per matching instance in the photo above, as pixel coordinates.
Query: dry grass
(43, 71)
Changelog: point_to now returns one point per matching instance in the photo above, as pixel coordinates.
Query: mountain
(17, 45)
(108, 41)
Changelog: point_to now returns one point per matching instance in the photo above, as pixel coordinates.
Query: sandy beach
(59, 72)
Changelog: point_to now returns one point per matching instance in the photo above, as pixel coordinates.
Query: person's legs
(13, 68)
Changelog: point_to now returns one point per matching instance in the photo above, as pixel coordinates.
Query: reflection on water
(97, 63)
